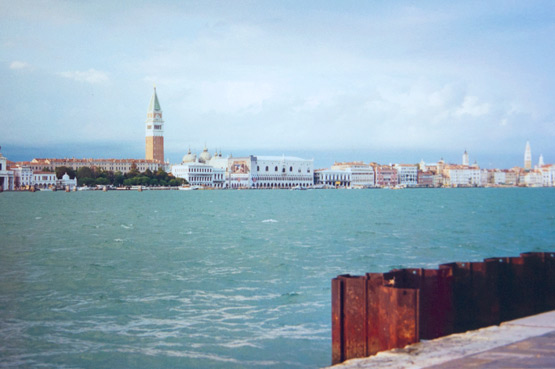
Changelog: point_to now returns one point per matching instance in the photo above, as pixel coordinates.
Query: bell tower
(154, 130)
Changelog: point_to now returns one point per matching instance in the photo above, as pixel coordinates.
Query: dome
(205, 156)
(189, 158)
(65, 177)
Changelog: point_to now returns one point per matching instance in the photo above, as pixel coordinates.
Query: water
(225, 279)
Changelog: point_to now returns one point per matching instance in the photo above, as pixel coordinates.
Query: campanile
(154, 130)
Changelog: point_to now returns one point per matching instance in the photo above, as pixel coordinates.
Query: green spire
(154, 103)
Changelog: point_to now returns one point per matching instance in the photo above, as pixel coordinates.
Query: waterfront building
(154, 146)
(531, 178)
(280, 172)
(486, 177)
(461, 175)
(6, 175)
(332, 178)
(499, 177)
(527, 157)
(66, 182)
(386, 175)
(23, 176)
(427, 179)
(362, 175)
(355, 174)
(200, 174)
(407, 174)
(122, 165)
(511, 177)
(548, 175)
(44, 179)
(245, 172)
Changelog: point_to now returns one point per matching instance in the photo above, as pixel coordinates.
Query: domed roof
(65, 177)
(205, 156)
(189, 158)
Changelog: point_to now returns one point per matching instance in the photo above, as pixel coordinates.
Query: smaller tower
(540, 162)
(527, 157)
(465, 159)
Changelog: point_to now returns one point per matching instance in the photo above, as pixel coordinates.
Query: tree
(60, 171)
(118, 179)
(134, 172)
(161, 174)
(85, 172)
(102, 181)
(86, 181)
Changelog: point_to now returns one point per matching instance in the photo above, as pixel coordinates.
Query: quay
(522, 343)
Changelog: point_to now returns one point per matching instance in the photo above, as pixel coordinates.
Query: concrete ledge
(456, 346)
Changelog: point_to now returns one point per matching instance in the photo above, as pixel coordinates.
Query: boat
(190, 188)
(298, 188)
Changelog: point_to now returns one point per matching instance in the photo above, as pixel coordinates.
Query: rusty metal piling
(382, 311)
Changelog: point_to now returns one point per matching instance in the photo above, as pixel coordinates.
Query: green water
(225, 279)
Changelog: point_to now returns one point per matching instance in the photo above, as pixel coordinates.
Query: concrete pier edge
(457, 346)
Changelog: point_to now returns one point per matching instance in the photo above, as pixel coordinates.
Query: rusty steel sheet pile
(382, 311)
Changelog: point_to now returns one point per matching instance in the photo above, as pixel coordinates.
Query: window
(283, 170)
(258, 168)
(266, 168)
(276, 169)
(290, 169)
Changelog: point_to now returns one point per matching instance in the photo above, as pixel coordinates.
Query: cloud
(472, 107)
(234, 96)
(91, 76)
(18, 65)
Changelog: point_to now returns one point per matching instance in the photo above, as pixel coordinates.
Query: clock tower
(154, 130)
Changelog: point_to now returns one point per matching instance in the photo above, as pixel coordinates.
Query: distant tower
(540, 162)
(154, 130)
(465, 158)
(527, 157)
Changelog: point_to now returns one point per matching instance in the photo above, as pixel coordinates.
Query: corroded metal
(381, 311)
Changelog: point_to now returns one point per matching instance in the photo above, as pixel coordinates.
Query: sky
(382, 81)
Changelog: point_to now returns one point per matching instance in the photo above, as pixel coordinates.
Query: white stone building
(351, 175)
(407, 174)
(44, 179)
(462, 176)
(245, 172)
(23, 176)
(6, 176)
(548, 175)
(66, 182)
(333, 177)
(532, 178)
(281, 172)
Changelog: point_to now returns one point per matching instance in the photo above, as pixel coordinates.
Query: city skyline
(351, 81)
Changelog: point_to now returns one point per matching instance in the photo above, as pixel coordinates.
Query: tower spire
(154, 148)
(527, 156)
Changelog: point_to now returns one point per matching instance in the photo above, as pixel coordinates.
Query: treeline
(92, 176)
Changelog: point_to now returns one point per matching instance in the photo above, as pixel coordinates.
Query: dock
(522, 343)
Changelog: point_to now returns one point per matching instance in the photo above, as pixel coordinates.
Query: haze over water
(225, 279)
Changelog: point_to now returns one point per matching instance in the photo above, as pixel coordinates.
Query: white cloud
(19, 65)
(91, 76)
(471, 106)
(234, 96)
